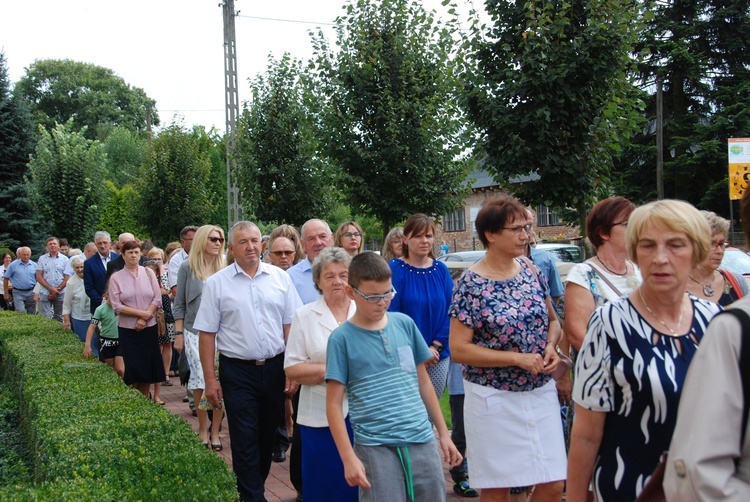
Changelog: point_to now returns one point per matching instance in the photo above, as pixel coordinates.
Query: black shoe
(185, 399)
(299, 497)
(278, 456)
(463, 489)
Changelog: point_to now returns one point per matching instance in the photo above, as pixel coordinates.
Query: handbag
(563, 367)
(161, 323)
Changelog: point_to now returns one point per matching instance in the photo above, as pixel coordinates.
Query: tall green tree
(391, 119)
(697, 48)
(65, 182)
(125, 153)
(93, 96)
(16, 144)
(175, 185)
(548, 88)
(281, 174)
(121, 212)
(212, 143)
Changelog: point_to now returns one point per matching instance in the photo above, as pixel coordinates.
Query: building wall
(467, 240)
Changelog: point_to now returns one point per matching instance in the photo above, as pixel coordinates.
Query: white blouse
(76, 303)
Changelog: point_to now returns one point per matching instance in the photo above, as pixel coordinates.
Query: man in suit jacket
(119, 263)
(95, 269)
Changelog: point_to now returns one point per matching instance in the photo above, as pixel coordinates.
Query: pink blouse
(137, 292)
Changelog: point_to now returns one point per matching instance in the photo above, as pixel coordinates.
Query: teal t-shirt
(380, 374)
(105, 317)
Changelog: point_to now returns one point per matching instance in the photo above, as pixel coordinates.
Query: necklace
(679, 321)
(497, 273)
(612, 271)
(708, 289)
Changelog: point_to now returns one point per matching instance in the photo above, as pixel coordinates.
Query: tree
(16, 144)
(65, 180)
(550, 94)
(281, 175)
(211, 143)
(174, 185)
(697, 49)
(391, 120)
(121, 213)
(125, 152)
(93, 96)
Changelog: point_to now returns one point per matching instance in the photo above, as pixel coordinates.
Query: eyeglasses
(220, 240)
(282, 253)
(349, 235)
(519, 229)
(377, 298)
(721, 244)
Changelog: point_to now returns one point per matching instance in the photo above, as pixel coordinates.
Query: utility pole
(659, 139)
(234, 209)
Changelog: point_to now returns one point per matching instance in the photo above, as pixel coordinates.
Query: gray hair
(77, 260)
(247, 225)
(101, 234)
(717, 223)
(326, 257)
(302, 236)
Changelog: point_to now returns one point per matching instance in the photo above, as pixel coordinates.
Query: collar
(262, 269)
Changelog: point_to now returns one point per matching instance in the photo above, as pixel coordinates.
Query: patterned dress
(168, 337)
(634, 373)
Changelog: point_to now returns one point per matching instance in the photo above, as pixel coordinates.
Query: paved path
(278, 486)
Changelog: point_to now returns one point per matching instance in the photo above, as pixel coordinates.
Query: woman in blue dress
(423, 292)
(635, 355)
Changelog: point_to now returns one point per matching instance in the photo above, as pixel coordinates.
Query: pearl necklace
(708, 289)
(679, 321)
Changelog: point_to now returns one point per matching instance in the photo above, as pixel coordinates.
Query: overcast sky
(173, 49)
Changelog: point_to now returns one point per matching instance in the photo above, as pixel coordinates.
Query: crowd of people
(354, 351)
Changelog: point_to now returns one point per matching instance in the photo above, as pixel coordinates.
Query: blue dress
(424, 294)
(634, 373)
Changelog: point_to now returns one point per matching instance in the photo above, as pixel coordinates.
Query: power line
(286, 20)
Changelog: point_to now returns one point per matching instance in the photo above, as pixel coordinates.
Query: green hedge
(89, 437)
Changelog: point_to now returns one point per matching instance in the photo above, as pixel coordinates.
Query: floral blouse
(506, 315)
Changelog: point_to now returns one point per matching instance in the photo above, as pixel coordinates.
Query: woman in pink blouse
(135, 296)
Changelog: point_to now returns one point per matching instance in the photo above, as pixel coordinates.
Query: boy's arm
(354, 471)
(427, 391)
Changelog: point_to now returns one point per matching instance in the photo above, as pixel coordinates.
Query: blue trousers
(254, 401)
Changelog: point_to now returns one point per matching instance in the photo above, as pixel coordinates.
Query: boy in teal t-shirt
(377, 358)
(105, 319)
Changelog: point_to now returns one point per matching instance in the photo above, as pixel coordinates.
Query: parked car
(737, 261)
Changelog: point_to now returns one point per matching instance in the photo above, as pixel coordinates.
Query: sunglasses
(282, 253)
(220, 240)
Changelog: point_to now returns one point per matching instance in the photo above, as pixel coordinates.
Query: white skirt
(513, 438)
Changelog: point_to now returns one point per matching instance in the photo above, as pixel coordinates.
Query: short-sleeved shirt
(546, 263)
(248, 314)
(105, 317)
(22, 275)
(174, 266)
(53, 269)
(301, 275)
(379, 369)
(591, 277)
(508, 315)
(637, 382)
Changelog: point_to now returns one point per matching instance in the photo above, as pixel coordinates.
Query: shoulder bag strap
(744, 364)
(604, 278)
(732, 280)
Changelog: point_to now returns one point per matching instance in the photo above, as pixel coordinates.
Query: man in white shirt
(246, 311)
(186, 239)
(52, 276)
(316, 236)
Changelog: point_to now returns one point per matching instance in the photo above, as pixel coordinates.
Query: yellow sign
(739, 166)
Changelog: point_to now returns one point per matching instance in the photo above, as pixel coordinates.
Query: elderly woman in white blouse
(305, 362)
(76, 306)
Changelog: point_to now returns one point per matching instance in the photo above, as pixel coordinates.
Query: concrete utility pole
(234, 209)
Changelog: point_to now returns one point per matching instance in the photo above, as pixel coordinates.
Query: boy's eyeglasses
(376, 298)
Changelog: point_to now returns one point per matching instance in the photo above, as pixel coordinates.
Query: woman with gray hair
(707, 280)
(305, 362)
(76, 306)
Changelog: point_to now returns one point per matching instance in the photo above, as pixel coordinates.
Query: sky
(173, 49)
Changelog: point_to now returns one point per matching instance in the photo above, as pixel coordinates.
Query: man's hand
(213, 393)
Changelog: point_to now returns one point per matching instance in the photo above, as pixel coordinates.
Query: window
(455, 221)
(545, 217)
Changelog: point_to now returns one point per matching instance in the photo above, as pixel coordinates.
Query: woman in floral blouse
(505, 332)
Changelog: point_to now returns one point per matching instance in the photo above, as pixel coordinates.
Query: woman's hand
(140, 324)
(551, 358)
(532, 363)
(146, 315)
(179, 343)
(435, 358)
(564, 390)
(66, 322)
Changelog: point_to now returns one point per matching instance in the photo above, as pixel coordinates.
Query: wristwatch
(439, 348)
(178, 333)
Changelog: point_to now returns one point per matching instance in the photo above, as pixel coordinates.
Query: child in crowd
(378, 357)
(105, 319)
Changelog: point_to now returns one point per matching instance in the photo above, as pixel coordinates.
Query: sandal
(159, 401)
(217, 447)
(167, 383)
(463, 489)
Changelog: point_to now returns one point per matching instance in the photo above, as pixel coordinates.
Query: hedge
(87, 436)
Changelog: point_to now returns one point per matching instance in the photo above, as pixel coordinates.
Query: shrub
(88, 436)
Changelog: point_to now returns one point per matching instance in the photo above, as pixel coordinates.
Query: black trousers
(460, 472)
(254, 401)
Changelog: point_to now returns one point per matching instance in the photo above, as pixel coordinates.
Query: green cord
(406, 466)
